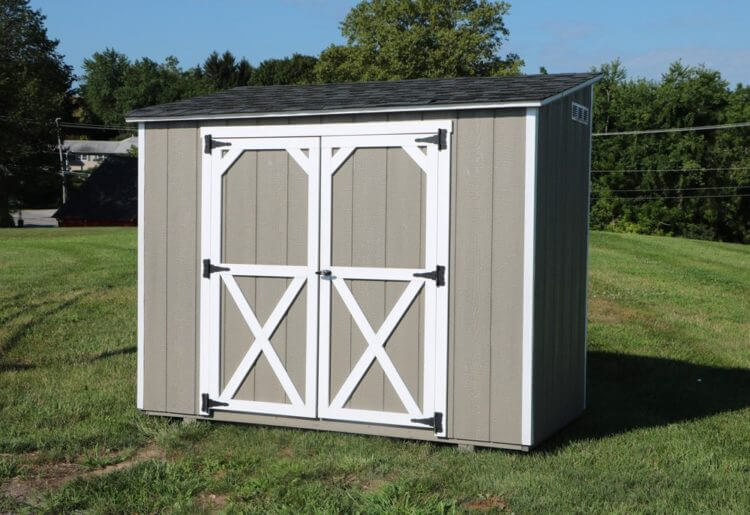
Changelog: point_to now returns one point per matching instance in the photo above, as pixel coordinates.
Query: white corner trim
(529, 227)
(141, 230)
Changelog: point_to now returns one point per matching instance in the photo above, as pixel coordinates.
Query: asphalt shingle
(248, 100)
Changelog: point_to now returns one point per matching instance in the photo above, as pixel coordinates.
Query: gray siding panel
(560, 268)
(181, 273)
(471, 290)
(155, 270)
(507, 280)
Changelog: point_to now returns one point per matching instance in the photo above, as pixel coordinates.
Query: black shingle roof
(367, 95)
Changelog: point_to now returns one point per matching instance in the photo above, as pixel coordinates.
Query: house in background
(109, 197)
(87, 154)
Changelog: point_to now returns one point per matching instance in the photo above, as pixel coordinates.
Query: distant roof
(100, 147)
(399, 94)
(110, 194)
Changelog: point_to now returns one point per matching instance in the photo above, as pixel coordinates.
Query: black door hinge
(209, 144)
(435, 422)
(437, 275)
(440, 139)
(208, 268)
(208, 404)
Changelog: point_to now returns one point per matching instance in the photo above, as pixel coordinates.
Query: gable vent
(580, 113)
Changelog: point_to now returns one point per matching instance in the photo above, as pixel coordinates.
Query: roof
(100, 147)
(462, 92)
(110, 194)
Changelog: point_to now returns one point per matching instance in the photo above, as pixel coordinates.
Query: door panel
(263, 299)
(379, 227)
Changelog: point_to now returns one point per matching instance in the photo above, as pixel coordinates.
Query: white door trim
(435, 164)
(215, 165)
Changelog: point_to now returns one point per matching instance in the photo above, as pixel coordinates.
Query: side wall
(561, 244)
(486, 263)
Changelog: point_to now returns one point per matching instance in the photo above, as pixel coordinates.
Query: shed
(403, 258)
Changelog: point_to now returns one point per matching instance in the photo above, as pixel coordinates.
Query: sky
(563, 36)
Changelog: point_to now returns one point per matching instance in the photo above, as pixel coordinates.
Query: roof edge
(386, 109)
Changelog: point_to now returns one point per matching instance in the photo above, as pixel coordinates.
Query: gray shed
(402, 258)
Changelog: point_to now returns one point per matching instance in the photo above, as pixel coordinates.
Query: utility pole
(62, 162)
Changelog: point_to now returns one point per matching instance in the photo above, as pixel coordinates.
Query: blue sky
(571, 35)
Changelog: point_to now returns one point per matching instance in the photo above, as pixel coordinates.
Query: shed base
(341, 427)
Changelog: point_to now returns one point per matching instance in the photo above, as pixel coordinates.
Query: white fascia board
(237, 116)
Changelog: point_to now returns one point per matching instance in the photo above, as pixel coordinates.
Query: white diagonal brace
(336, 160)
(418, 156)
(302, 160)
(375, 344)
(262, 338)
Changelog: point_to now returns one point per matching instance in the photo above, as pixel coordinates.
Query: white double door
(341, 296)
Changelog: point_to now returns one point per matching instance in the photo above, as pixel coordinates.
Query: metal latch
(325, 274)
(208, 268)
(437, 275)
(208, 404)
(209, 144)
(440, 139)
(435, 421)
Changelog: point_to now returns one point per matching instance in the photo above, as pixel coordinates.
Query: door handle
(325, 274)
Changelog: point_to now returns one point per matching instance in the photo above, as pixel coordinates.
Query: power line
(681, 189)
(669, 170)
(675, 197)
(675, 129)
(76, 125)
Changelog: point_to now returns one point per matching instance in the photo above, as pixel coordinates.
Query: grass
(666, 430)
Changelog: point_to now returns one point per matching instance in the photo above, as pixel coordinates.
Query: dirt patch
(46, 477)
(213, 502)
(487, 503)
(287, 452)
(49, 476)
(150, 452)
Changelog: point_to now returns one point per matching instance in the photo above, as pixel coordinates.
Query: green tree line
(687, 184)
(693, 184)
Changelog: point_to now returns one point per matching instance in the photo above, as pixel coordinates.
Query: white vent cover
(580, 113)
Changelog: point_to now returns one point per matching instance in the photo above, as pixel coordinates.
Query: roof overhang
(371, 110)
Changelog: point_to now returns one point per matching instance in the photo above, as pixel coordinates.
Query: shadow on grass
(117, 352)
(628, 392)
(38, 315)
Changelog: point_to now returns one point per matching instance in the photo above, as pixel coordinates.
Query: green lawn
(667, 429)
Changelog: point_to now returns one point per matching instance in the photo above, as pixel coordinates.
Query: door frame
(322, 130)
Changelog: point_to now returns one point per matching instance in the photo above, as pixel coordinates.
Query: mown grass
(666, 430)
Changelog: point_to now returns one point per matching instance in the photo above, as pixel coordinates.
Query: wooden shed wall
(561, 244)
(486, 261)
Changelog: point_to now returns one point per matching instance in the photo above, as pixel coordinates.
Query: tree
(298, 69)
(34, 90)
(665, 201)
(103, 75)
(406, 39)
(224, 72)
